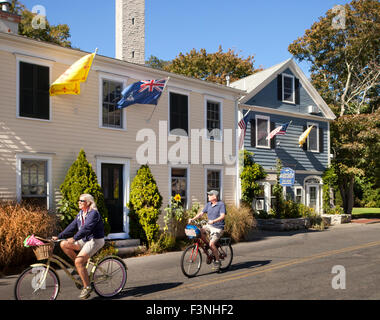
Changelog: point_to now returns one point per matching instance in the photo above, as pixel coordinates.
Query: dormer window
(288, 88)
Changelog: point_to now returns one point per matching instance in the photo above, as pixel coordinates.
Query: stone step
(127, 243)
(126, 247)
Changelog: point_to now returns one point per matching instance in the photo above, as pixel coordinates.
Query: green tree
(345, 69)
(214, 67)
(144, 206)
(356, 140)
(344, 58)
(58, 34)
(250, 174)
(279, 201)
(80, 179)
(156, 63)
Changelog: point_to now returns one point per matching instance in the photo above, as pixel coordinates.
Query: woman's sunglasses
(82, 201)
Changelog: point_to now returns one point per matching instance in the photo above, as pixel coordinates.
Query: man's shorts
(214, 233)
(90, 247)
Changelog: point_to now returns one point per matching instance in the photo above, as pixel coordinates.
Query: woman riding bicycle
(216, 211)
(88, 239)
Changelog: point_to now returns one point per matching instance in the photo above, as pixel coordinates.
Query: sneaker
(217, 265)
(85, 293)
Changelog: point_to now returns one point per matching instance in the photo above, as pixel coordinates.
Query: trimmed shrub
(17, 221)
(144, 205)
(80, 179)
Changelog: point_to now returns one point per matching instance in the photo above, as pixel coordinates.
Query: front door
(112, 184)
(313, 197)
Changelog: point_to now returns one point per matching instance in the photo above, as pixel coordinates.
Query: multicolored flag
(281, 130)
(69, 82)
(303, 136)
(243, 126)
(143, 92)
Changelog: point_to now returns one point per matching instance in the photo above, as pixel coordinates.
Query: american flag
(281, 130)
(243, 126)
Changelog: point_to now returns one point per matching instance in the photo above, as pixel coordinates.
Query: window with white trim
(313, 138)
(262, 131)
(214, 181)
(34, 98)
(34, 181)
(178, 113)
(213, 119)
(288, 88)
(298, 194)
(179, 184)
(112, 116)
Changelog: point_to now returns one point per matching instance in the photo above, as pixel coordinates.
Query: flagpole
(154, 109)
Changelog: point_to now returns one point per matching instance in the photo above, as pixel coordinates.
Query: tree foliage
(214, 67)
(356, 146)
(345, 59)
(57, 34)
(156, 63)
(345, 69)
(80, 179)
(144, 206)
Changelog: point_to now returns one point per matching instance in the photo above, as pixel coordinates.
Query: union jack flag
(243, 126)
(151, 85)
(281, 130)
(143, 92)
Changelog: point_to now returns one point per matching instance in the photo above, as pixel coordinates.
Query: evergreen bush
(80, 179)
(144, 206)
(251, 172)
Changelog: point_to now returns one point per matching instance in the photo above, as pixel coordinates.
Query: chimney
(130, 30)
(8, 21)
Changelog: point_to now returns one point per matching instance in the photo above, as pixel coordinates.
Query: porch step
(126, 247)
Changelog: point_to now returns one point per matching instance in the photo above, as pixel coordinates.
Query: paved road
(291, 266)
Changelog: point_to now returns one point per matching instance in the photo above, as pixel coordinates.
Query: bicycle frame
(64, 265)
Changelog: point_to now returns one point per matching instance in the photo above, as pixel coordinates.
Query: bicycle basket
(44, 251)
(192, 232)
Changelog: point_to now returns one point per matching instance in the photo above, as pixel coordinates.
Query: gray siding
(287, 148)
(267, 97)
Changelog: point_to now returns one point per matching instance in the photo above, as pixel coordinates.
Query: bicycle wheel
(109, 277)
(30, 285)
(226, 254)
(191, 261)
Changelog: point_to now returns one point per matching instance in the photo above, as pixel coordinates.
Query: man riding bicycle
(216, 211)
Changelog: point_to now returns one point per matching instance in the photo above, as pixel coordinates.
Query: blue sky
(251, 27)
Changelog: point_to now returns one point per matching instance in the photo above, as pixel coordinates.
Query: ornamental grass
(17, 221)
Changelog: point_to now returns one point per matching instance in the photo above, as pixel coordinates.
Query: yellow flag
(303, 136)
(69, 82)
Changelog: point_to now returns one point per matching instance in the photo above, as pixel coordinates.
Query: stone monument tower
(130, 30)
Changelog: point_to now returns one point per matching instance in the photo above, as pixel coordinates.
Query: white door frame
(126, 184)
(317, 196)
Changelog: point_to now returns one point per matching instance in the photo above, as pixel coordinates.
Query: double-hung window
(313, 138)
(288, 88)
(298, 194)
(262, 131)
(179, 184)
(213, 114)
(214, 181)
(34, 83)
(112, 116)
